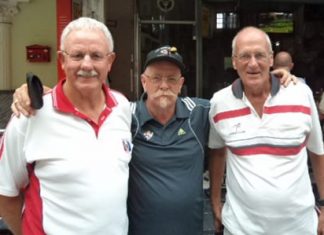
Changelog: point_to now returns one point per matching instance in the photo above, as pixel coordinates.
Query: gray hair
(86, 23)
(251, 27)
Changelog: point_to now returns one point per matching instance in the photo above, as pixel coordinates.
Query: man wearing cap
(169, 136)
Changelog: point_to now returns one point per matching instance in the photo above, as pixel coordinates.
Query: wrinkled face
(162, 82)
(252, 58)
(86, 60)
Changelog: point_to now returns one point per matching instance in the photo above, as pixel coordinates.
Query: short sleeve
(13, 170)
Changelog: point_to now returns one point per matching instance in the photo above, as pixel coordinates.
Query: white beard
(164, 102)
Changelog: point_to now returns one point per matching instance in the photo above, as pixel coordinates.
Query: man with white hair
(65, 170)
(264, 132)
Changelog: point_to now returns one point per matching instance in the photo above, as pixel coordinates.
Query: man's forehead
(96, 36)
(163, 65)
(252, 48)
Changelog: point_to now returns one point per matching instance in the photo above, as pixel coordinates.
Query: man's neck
(90, 105)
(258, 97)
(162, 115)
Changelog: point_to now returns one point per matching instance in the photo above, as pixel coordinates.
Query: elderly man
(169, 137)
(265, 130)
(66, 168)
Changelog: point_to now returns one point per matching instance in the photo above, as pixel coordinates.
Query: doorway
(163, 22)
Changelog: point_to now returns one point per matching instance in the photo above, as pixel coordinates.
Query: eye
(156, 79)
(172, 79)
(96, 56)
(245, 57)
(260, 56)
(77, 56)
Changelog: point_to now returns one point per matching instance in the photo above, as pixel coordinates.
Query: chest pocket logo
(181, 132)
(237, 129)
(148, 135)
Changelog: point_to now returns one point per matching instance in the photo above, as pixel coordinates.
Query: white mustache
(83, 73)
(166, 93)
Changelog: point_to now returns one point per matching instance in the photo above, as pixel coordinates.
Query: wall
(119, 19)
(34, 24)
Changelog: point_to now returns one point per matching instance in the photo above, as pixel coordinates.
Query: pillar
(7, 10)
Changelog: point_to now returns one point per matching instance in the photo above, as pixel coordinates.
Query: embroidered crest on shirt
(237, 129)
(181, 132)
(127, 145)
(148, 135)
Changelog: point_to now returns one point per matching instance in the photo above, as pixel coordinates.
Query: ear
(143, 81)
(181, 84)
(271, 60)
(233, 62)
(61, 58)
(111, 59)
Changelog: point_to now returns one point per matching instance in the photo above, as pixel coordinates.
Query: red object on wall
(38, 53)
(63, 17)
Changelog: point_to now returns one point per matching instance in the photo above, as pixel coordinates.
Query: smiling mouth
(253, 74)
(87, 76)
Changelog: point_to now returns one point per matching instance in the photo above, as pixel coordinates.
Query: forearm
(216, 173)
(21, 101)
(284, 76)
(10, 210)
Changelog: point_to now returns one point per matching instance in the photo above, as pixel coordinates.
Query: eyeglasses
(246, 57)
(80, 55)
(157, 79)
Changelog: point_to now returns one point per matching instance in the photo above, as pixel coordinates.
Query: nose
(86, 62)
(253, 61)
(164, 84)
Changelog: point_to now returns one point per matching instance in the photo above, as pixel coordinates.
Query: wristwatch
(320, 202)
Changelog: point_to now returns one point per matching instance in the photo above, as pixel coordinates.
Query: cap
(165, 53)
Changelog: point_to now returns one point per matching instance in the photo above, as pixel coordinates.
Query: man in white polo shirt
(265, 130)
(70, 161)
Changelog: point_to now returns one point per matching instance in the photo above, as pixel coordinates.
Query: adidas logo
(181, 132)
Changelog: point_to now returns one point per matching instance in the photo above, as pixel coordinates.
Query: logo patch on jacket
(148, 134)
(181, 132)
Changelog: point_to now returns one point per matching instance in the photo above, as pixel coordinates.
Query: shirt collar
(238, 88)
(63, 104)
(145, 116)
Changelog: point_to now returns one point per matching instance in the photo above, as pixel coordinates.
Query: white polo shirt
(268, 185)
(78, 171)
